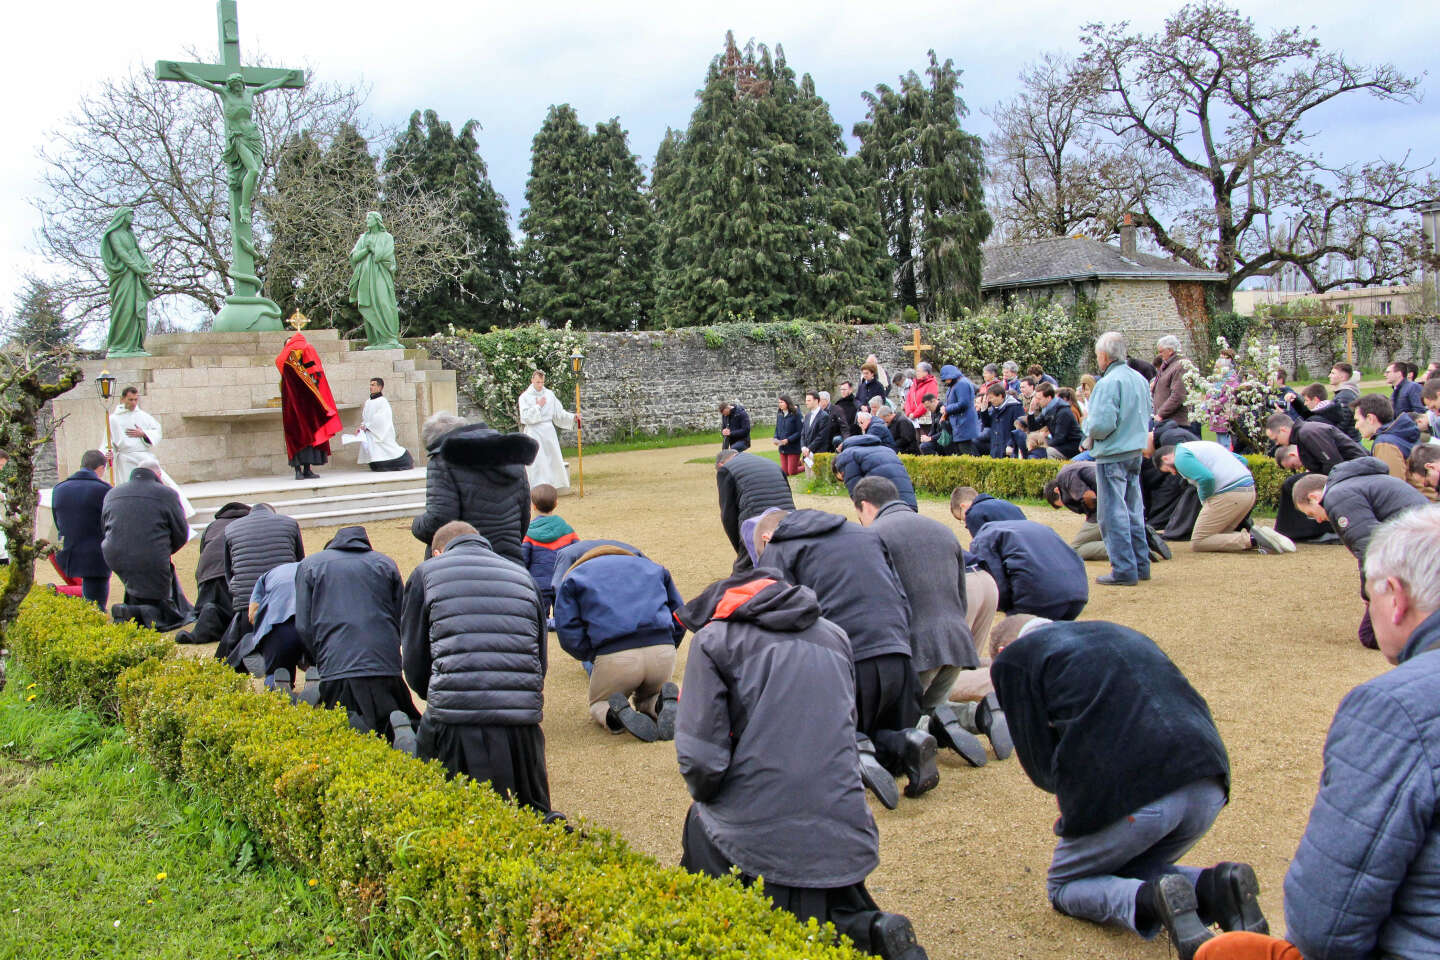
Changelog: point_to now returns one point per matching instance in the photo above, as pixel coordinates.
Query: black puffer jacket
(477, 474)
(1360, 495)
(254, 545)
(143, 525)
(347, 608)
(212, 541)
(749, 485)
(473, 631)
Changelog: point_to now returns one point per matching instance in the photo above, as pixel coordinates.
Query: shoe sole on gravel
(633, 721)
(991, 721)
(669, 707)
(893, 938)
(1242, 891)
(921, 771)
(945, 728)
(1177, 906)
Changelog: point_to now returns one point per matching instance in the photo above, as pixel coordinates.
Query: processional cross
(1350, 335)
(917, 348)
(244, 158)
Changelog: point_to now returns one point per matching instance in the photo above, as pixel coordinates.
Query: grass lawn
(101, 858)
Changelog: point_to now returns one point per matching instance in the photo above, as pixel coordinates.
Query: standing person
(134, 433)
(547, 534)
(308, 412)
(748, 485)
(142, 526)
(78, 504)
(540, 413)
(1082, 393)
(1037, 373)
(789, 809)
(465, 608)
(960, 411)
(871, 385)
(1346, 384)
(802, 547)
(1365, 881)
(1116, 427)
(1392, 436)
(901, 429)
(882, 376)
(377, 422)
(1405, 394)
(214, 606)
(924, 383)
(844, 410)
(476, 474)
(817, 429)
(1105, 721)
(1227, 495)
(930, 564)
(734, 426)
(787, 435)
(348, 600)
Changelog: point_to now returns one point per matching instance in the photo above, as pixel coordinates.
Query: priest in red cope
(307, 407)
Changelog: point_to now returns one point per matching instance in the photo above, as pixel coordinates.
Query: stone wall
(1143, 310)
(1317, 353)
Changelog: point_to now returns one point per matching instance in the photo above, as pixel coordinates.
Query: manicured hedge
(404, 848)
(1010, 478)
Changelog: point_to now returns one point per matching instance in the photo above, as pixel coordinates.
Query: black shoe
(310, 474)
(298, 474)
(875, 777)
(893, 938)
(1110, 580)
(945, 728)
(622, 716)
(669, 706)
(183, 636)
(919, 759)
(1177, 908)
(1228, 893)
(1157, 542)
(991, 721)
(402, 731)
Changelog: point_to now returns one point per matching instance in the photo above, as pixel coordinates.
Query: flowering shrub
(504, 359)
(1046, 334)
(1236, 399)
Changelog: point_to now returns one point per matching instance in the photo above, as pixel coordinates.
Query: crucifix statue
(245, 309)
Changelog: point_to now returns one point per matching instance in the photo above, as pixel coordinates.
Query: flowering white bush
(1236, 399)
(1046, 334)
(502, 361)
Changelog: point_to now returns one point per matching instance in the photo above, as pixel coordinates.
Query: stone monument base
(216, 396)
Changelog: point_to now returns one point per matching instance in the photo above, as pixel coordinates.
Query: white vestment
(127, 449)
(378, 424)
(539, 421)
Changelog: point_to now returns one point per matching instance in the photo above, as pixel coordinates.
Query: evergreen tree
(39, 322)
(761, 214)
(928, 175)
(428, 155)
(588, 235)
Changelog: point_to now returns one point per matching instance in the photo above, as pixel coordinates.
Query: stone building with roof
(1141, 295)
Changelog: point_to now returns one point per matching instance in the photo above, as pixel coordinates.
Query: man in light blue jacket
(1115, 433)
(1227, 495)
(1366, 879)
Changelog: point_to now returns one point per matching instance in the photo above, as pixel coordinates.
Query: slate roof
(1064, 259)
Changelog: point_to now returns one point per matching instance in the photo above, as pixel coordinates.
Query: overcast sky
(504, 64)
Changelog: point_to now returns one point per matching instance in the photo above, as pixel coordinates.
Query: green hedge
(404, 848)
(1010, 478)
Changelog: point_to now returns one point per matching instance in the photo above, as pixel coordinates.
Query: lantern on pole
(107, 386)
(577, 362)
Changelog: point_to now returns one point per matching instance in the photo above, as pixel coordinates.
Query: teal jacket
(1212, 468)
(1119, 416)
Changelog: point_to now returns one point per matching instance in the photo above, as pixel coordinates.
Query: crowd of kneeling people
(801, 693)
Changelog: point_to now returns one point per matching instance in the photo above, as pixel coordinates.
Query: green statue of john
(372, 285)
(128, 271)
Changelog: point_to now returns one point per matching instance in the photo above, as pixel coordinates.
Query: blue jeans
(1095, 877)
(1122, 517)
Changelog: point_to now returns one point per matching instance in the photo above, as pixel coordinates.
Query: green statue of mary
(372, 285)
(129, 272)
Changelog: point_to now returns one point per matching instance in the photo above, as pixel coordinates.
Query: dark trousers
(96, 590)
(887, 702)
(512, 759)
(214, 611)
(402, 462)
(1051, 611)
(1290, 521)
(281, 648)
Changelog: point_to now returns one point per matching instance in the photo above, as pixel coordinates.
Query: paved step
(332, 499)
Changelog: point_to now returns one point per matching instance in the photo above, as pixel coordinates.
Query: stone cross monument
(245, 309)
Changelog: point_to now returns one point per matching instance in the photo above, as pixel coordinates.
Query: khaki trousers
(1088, 542)
(1219, 516)
(982, 599)
(638, 674)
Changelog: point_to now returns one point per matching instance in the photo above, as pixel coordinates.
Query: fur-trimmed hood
(479, 445)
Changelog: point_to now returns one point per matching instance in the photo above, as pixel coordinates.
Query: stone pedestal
(212, 393)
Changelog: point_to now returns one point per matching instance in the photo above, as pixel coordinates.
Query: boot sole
(1178, 911)
(893, 938)
(921, 771)
(1243, 888)
(997, 728)
(669, 707)
(879, 782)
(951, 734)
(635, 723)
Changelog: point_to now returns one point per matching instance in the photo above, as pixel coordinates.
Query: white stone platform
(336, 498)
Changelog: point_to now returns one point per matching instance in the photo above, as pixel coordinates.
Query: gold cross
(916, 347)
(298, 320)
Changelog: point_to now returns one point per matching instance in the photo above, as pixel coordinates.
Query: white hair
(886, 412)
(1403, 547)
(1112, 344)
(924, 367)
(1168, 342)
(825, 395)
(146, 460)
(1011, 365)
(863, 415)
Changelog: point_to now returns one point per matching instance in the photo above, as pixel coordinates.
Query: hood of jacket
(349, 538)
(1403, 427)
(862, 440)
(548, 529)
(807, 523)
(949, 372)
(1425, 638)
(479, 445)
(750, 598)
(1359, 467)
(233, 511)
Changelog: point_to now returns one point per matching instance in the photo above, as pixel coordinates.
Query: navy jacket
(611, 600)
(76, 503)
(1406, 397)
(348, 601)
(787, 428)
(1034, 569)
(866, 389)
(1402, 433)
(1065, 432)
(737, 421)
(865, 455)
(986, 509)
(816, 432)
(879, 431)
(960, 405)
(1001, 421)
(1104, 720)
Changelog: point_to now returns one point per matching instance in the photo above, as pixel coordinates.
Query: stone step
(336, 498)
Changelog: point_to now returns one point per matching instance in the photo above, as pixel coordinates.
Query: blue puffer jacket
(960, 405)
(866, 455)
(1366, 879)
(1119, 415)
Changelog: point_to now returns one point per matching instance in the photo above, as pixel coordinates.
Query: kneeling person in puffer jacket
(617, 611)
(473, 637)
(865, 455)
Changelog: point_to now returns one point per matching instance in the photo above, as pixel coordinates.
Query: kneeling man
(1227, 495)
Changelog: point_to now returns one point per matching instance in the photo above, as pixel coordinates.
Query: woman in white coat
(540, 413)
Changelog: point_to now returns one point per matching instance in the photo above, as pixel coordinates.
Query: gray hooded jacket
(930, 562)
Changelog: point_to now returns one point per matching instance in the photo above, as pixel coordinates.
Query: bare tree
(157, 147)
(1225, 108)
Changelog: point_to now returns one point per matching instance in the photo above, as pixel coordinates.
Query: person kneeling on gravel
(766, 743)
(1104, 720)
(617, 611)
(1227, 495)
